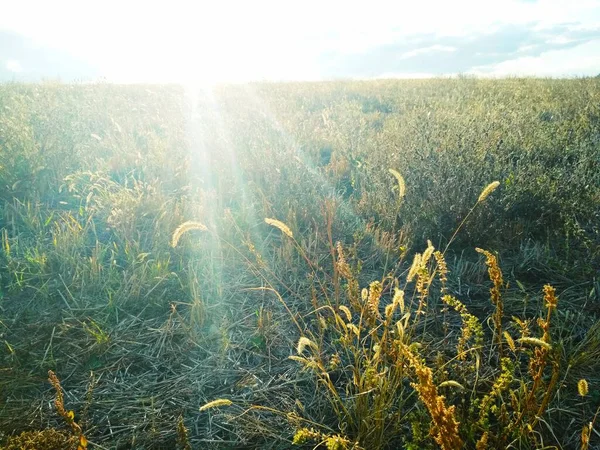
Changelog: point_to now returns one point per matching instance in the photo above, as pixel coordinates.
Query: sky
(133, 41)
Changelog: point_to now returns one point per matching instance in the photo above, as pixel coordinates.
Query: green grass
(95, 179)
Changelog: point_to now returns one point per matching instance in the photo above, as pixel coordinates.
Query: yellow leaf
(71, 415)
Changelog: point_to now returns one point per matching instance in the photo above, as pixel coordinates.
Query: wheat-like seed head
(304, 342)
(488, 190)
(401, 184)
(427, 253)
(452, 383)
(375, 290)
(535, 341)
(416, 265)
(216, 404)
(282, 226)
(582, 387)
(400, 329)
(364, 294)
(389, 310)
(399, 299)
(299, 359)
(510, 341)
(354, 329)
(586, 432)
(346, 312)
(334, 361)
(184, 228)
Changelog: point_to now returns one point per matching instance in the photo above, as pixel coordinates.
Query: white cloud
(425, 50)
(581, 60)
(560, 40)
(526, 48)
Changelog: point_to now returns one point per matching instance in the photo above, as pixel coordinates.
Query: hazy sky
(175, 41)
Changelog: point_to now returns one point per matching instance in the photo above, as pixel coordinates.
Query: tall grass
(266, 246)
(393, 376)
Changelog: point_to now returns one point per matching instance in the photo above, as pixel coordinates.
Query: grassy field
(345, 265)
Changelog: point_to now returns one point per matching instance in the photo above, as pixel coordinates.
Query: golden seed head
(323, 323)
(216, 404)
(452, 383)
(550, 297)
(374, 296)
(364, 294)
(442, 268)
(582, 387)
(303, 435)
(585, 436)
(389, 310)
(488, 190)
(354, 329)
(282, 226)
(346, 312)
(427, 253)
(334, 361)
(400, 329)
(401, 184)
(184, 228)
(342, 265)
(535, 341)
(399, 299)
(510, 341)
(337, 442)
(416, 265)
(304, 342)
(299, 359)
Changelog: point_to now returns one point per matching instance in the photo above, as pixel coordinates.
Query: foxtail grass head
(282, 227)
(184, 228)
(216, 404)
(487, 191)
(582, 387)
(401, 183)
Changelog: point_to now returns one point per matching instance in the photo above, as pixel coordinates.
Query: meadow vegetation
(341, 265)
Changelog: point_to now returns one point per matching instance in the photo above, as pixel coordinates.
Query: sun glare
(233, 41)
(267, 224)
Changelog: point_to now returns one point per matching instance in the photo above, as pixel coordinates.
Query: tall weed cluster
(395, 377)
